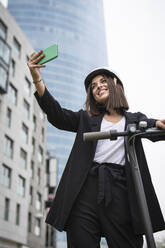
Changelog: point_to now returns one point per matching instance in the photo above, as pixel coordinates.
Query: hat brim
(97, 72)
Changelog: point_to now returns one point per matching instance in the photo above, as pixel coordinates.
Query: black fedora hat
(100, 71)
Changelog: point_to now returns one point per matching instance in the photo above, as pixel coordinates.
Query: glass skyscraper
(79, 30)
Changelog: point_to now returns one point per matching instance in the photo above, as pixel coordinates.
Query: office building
(4, 2)
(23, 144)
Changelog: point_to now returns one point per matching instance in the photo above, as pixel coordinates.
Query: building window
(23, 158)
(40, 154)
(8, 117)
(12, 93)
(6, 176)
(29, 222)
(32, 169)
(12, 68)
(27, 58)
(4, 51)
(21, 186)
(26, 106)
(27, 87)
(42, 115)
(3, 30)
(6, 209)
(38, 176)
(52, 234)
(38, 202)
(31, 195)
(37, 229)
(24, 133)
(16, 47)
(47, 236)
(33, 145)
(8, 147)
(3, 78)
(34, 123)
(43, 134)
(17, 215)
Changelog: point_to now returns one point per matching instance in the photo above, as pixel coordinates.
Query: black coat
(80, 162)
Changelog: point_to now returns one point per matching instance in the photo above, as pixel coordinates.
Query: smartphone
(50, 54)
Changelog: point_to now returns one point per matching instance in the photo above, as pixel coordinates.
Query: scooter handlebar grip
(91, 136)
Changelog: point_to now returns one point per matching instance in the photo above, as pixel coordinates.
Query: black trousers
(102, 210)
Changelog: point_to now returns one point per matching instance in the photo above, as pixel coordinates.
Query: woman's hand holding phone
(33, 65)
(35, 71)
(36, 62)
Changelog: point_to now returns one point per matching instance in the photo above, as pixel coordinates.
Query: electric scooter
(132, 133)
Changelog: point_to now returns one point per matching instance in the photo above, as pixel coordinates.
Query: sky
(135, 39)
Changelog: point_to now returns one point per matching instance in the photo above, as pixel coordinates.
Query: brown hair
(116, 101)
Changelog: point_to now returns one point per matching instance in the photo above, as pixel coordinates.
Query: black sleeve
(150, 123)
(59, 117)
(143, 117)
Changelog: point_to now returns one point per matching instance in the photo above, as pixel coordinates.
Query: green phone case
(50, 53)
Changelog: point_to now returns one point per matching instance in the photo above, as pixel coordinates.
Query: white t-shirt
(111, 151)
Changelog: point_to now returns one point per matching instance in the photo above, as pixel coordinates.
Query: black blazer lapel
(95, 123)
(130, 118)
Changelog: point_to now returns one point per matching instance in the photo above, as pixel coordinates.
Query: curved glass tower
(78, 29)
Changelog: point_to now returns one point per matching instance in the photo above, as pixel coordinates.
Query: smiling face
(100, 89)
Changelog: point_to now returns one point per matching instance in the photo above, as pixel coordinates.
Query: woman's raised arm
(35, 71)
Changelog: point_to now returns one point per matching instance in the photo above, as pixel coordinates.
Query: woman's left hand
(160, 124)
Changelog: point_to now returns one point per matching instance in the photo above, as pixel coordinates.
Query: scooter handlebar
(113, 134)
(91, 136)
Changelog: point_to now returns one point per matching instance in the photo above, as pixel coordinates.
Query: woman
(96, 195)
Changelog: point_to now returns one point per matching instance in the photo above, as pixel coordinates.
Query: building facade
(51, 172)
(4, 2)
(23, 144)
(77, 27)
